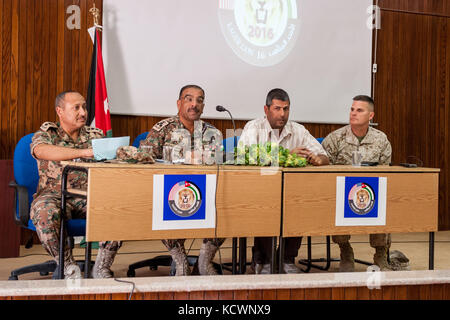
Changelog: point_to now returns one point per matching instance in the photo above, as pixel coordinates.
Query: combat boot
(181, 262)
(207, 253)
(103, 263)
(380, 259)
(71, 268)
(347, 263)
(398, 261)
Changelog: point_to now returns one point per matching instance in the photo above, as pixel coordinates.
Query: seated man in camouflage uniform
(374, 147)
(54, 142)
(169, 132)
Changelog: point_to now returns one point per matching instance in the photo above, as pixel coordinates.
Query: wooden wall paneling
(14, 62)
(429, 7)
(37, 64)
(3, 141)
(406, 292)
(6, 73)
(299, 294)
(47, 76)
(53, 59)
(211, 295)
(388, 292)
(22, 48)
(60, 60)
(68, 43)
(255, 295)
(29, 44)
(412, 92)
(181, 296)
(444, 113)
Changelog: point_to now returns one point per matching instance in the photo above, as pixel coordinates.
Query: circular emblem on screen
(361, 198)
(260, 32)
(185, 199)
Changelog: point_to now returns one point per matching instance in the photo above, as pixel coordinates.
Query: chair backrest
(230, 143)
(138, 139)
(320, 140)
(25, 166)
(25, 172)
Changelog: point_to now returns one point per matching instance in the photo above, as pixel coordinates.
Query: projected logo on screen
(260, 32)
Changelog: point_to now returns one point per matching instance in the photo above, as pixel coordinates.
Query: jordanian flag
(97, 97)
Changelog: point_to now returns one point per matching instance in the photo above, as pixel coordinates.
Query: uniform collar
(352, 139)
(82, 136)
(178, 120)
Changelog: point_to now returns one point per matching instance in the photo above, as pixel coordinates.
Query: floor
(413, 245)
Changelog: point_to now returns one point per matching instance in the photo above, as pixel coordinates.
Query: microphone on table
(222, 109)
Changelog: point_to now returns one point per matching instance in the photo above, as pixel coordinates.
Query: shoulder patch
(163, 123)
(47, 125)
(208, 125)
(94, 130)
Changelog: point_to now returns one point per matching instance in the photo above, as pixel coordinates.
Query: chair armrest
(21, 204)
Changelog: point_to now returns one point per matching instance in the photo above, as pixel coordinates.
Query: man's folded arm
(57, 153)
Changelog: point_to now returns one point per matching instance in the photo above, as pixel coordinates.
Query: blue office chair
(138, 139)
(25, 183)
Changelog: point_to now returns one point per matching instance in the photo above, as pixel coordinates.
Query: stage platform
(419, 283)
(330, 286)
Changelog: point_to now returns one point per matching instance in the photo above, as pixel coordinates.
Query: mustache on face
(194, 109)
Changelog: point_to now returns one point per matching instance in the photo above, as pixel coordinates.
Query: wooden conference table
(252, 203)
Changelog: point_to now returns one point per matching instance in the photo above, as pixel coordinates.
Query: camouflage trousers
(46, 216)
(179, 243)
(376, 240)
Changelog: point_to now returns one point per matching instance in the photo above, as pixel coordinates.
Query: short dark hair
(189, 86)
(60, 97)
(367, 99)
(278, 94)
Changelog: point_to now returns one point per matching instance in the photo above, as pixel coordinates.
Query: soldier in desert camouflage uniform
(374, 147)
(54, 142)
(185, 132)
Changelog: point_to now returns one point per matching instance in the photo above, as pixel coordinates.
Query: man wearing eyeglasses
(174, 132)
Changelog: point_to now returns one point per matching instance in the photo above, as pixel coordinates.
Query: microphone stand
(234, 129)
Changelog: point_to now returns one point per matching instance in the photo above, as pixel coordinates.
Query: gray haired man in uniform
(374, 147)
(54, 142)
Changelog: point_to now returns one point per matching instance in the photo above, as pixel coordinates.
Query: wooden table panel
(310, 203)
(120, 203)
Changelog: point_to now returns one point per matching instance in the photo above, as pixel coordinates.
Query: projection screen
(319, 51)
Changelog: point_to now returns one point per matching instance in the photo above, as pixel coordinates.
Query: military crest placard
(184, 202)
(361, 201)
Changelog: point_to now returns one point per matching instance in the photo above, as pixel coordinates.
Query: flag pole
(97, 97)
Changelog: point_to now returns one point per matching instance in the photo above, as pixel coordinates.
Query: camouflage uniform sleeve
(156, 138)
(42, 136)
(386, 153)
(331, 148)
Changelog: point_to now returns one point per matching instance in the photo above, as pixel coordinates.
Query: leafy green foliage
(267, 154)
